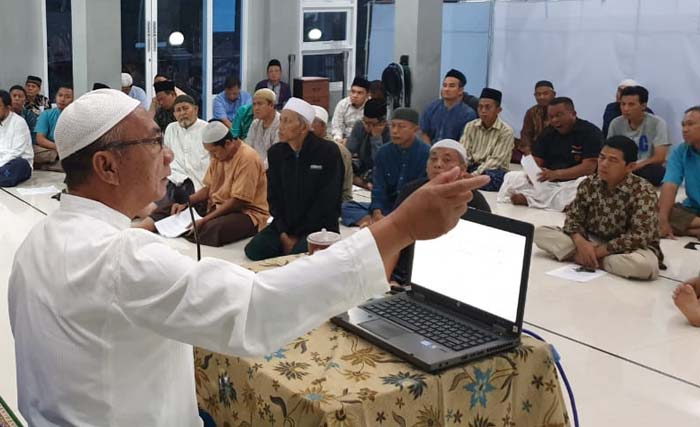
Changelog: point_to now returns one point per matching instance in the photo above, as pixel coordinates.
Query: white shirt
(15, 140)
(101, 312)
(191, 158)
(262, 138)
(140, 95)
(344, 117)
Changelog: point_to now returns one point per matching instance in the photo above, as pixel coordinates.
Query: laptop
(467, 296)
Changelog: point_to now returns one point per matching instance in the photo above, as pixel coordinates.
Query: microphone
(181, 197)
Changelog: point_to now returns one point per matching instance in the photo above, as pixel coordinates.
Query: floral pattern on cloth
(332, 378)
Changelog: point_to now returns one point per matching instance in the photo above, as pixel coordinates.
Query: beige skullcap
(266, 94)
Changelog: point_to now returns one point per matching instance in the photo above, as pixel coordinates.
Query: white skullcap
(89, 117)
(321, 114)
(214, 131)
(451, 143)
(628, 83)
(127, 80)
(303, 108)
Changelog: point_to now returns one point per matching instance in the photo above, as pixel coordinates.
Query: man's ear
(105, 166)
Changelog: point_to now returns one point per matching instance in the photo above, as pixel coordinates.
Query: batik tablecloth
(330, 377)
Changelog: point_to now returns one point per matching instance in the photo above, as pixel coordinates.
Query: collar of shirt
(498, 124)
(95, 209)
(626, 186)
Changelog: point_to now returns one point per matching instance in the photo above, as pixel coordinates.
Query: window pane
(59, 44)
(134, 41)
(325, 26)
(330, 65)
(227, 42)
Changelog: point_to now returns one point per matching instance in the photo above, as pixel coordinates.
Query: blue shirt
(226, 109)
(440, 123)
(393, 168)
(46, 124)
(684, 163)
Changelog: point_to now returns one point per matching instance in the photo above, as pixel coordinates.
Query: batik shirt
(625, 217)
(39, 104)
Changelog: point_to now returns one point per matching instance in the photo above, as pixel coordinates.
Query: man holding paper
(234, 190)
(565, 153)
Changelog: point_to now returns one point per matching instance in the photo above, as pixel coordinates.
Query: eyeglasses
(373, 124)
(116, 145)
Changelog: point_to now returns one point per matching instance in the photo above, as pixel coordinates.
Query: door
(164, 37)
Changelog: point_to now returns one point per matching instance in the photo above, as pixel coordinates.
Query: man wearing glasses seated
(365, 139)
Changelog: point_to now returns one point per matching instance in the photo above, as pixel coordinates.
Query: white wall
(21, 42)
(587, 47)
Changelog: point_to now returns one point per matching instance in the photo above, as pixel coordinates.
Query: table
(330, 377)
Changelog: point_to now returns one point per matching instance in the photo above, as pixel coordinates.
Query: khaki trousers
(640, 264)
(46, 159)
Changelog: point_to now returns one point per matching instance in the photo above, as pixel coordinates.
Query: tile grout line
(24, 201)
(617, 356)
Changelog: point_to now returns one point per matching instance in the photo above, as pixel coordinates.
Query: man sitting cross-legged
(488, 141)
(567, 151)
(612, 223)
(305, 178)
(234, 191)
(683, 219)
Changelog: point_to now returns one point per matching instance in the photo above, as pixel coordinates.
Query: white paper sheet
(569, 272)
(176, 225)
(51, 189)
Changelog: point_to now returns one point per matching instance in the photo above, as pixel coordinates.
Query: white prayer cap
(214, 131)
(127, 80)
(89, 117)
(451, 143)
(303, 108)
(321, 114)
(628, 83)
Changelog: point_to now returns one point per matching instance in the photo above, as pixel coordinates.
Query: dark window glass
(134, 41)
(325, 26)
(326, 65)
(59, 45)
(226, 49)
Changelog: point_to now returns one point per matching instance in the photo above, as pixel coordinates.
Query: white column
(418, 34)
(97, 49)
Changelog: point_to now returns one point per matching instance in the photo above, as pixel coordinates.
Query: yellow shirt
(242, 177)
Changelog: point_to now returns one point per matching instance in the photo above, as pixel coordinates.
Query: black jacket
(304, 189)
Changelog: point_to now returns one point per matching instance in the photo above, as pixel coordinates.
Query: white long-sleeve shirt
(104, 315)
(191, 159)
(344, 117)
(15, 140)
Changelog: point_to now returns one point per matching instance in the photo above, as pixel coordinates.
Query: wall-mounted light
(315, 34)
(176, 38)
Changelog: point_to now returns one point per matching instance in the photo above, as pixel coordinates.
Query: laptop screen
(474, 264)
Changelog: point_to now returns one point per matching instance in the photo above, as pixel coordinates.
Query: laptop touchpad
(383, 328)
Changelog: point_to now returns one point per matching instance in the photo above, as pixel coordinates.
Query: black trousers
(652, 173)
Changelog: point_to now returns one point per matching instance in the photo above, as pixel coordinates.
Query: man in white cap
(613, 109)
(264, 131)
(320, 127)
(133, 91)
(234, 191)
(104, 315)
(190, 160)
(304, 184)
(444, 155)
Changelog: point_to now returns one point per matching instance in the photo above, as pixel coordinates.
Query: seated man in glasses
(233, 196)
(365, 139)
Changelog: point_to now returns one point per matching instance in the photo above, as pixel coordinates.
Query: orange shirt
(242, 177)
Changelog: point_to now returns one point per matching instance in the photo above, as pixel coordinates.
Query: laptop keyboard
(430, 324)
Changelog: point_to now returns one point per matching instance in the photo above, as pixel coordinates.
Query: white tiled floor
(630, 356)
